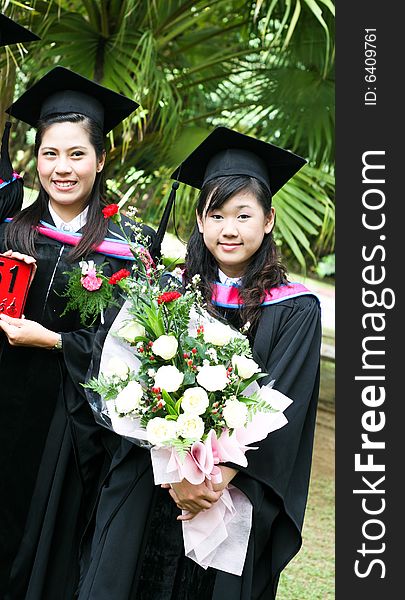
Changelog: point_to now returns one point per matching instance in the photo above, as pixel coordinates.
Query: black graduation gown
(52, 449)
(132, 516)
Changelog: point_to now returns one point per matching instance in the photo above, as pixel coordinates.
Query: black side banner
(370, 335)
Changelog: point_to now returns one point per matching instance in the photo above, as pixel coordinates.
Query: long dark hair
(265, 270)
(21, 233)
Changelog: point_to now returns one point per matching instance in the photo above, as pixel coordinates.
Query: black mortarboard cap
(228, 152)
(62, 91)
(13, 33)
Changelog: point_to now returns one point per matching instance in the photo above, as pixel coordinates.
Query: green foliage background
(263, 67)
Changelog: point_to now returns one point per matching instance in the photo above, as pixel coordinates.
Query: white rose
(190, 426)
(172, 248)
(217, 334)
(165, 346)
(235, 414)
(129, 398)
(116, 366)
(168, 378)
(245, 367)
(195, 401)
(161, 430)
(131, 330)
(213, 378)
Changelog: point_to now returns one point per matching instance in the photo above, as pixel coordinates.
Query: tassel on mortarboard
(156, 246)
(11, 184)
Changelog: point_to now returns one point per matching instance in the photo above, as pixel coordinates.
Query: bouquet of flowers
(183, 384)
(88, 290)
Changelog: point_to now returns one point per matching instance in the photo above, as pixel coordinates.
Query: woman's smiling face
(67, 166)
(235, 231)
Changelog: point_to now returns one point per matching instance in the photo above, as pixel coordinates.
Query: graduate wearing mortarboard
(52, 449)
(137, 551)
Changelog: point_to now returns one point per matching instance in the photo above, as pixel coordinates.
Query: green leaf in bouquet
(256, 404)
(177, 406)
(189, 378)
(92, 384)
(239, 346)
(171, 411)
(152, 324)
(191, 342)
(181, 446)
(104, 386)
(246, 382)
(170, 403)
(153, 321)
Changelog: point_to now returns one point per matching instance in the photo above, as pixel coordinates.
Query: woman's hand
(192, 498)
(227, 475)
(195, 498)
(29, 260)
(23, 332)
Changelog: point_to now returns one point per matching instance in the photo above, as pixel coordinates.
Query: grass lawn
(310, 575)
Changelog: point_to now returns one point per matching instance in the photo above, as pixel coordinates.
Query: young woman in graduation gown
(52, 451)
(137, 550)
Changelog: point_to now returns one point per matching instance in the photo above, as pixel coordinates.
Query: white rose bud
(212, 353)
(235, 414)
(131, 330)
(129, 398)
(195, 401)
(168, 378)
(213, 378)
(165, 346)
(245, 367)
(117, 367)
(161, 430)
(190, 426)
(217, 334)
(87, 266)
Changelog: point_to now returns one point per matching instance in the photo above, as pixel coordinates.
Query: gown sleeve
(276, 479)
(292, 362)
(11, 197)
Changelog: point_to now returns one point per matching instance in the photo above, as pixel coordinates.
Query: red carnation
(168, 297)
(110, 210)
(116, 277)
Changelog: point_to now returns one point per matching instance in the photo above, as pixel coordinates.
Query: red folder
(15, 277)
